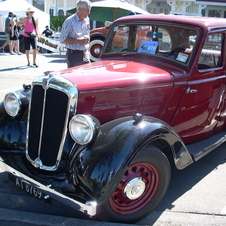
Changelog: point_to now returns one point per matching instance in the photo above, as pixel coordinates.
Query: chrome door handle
(189, 90)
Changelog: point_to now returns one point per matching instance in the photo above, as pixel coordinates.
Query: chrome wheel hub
(96, 50)
(135, 188)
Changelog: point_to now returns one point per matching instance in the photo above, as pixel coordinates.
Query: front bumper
(88, 208)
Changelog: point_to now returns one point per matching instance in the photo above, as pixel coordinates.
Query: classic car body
(103, 137)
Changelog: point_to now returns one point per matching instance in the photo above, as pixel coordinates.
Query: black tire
(127, 206)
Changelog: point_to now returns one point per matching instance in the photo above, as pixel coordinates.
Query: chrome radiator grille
(52, 100)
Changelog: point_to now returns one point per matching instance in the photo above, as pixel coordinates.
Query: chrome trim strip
(38, 162)
(88, 208)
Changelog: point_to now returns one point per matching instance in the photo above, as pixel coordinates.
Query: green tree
(56, 21)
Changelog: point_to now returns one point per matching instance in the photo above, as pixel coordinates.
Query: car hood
(105, 74)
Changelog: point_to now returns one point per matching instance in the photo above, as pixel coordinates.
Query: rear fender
(101, 166)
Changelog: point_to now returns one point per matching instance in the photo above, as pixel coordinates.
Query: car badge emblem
(45, 83)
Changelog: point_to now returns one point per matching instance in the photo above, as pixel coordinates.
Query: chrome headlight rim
(83, 128)
(15, 111)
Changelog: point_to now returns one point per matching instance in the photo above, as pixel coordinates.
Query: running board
(200, 149)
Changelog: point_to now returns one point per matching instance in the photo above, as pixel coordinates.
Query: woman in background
(14, 37)
(30, 34)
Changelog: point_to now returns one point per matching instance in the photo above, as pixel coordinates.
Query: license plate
(26, 186)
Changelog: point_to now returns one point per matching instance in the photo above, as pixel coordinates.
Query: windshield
(175, 43)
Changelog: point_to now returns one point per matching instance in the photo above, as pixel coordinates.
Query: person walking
(14, 37)
(7, 31)
(47, 32)
(30, 34)
(75, 34)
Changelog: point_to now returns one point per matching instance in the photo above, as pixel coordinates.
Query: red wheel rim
(119, 201)
(95, 50)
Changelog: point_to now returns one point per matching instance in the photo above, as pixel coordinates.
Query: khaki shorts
(8, 37)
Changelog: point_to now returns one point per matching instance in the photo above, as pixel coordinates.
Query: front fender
(101, 166)
(12, 131)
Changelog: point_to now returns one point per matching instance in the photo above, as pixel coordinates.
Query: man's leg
(7, 42)
(74, 58)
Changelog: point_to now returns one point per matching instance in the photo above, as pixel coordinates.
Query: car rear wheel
(141, 188)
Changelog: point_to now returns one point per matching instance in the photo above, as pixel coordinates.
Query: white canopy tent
(19, 8)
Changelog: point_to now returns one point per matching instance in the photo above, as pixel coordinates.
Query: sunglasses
(31, 12)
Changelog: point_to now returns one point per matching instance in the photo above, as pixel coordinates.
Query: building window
(166, 11)
(61, 12)
(203, 12)
(40, 4)
(214, 13)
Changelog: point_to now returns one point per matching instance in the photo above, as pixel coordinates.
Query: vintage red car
(102, 137)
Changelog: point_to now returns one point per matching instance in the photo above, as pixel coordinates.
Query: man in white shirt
(75, 34)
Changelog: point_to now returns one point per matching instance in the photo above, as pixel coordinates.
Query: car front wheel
(141, 188)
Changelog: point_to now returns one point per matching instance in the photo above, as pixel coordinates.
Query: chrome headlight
(12, 104)
(83, 128)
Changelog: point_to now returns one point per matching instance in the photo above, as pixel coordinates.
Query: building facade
(183, 7)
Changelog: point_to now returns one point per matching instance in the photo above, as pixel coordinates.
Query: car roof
(196, 21)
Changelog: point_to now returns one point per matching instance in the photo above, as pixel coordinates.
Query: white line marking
(223, 211)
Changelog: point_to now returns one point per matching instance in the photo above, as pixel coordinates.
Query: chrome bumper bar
(88, 208)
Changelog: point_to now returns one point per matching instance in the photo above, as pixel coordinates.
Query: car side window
(211, 55)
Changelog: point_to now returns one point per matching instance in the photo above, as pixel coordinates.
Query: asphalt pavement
(45, 62)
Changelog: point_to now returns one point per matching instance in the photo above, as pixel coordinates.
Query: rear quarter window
(211, 55)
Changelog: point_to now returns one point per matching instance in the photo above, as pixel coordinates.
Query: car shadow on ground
(62, 56)
(14, 198)
(183, 180)
(58, 61)
(16, 68)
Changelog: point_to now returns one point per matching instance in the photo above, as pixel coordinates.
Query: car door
(201, 107)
